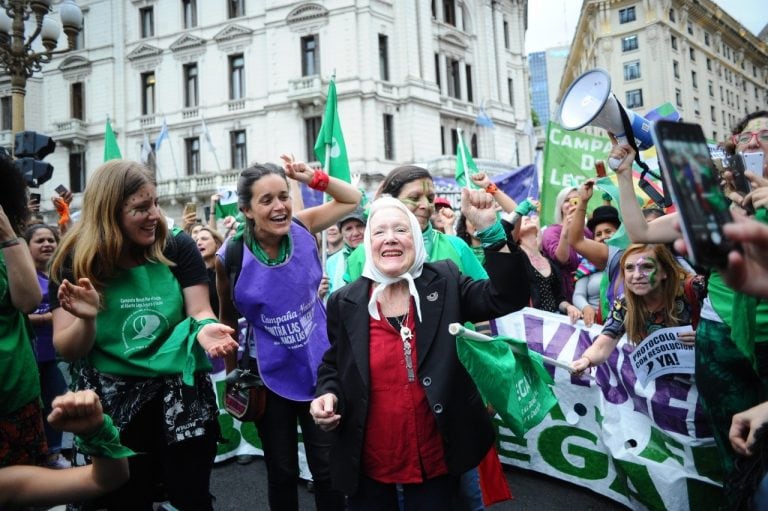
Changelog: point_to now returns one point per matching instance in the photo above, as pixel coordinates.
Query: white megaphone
(589, 101)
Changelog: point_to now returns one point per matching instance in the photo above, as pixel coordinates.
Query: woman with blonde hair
(658, 294)
(130, 303)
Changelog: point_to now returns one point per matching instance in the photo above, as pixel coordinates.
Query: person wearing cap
(352, 229)
(443, 216)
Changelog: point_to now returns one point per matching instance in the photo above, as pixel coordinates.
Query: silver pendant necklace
(406, 336)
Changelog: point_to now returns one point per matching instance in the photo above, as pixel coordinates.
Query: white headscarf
(370, 271)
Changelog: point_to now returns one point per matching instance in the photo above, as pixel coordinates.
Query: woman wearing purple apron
(276, 292)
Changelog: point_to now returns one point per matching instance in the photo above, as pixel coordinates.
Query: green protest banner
(569, 160)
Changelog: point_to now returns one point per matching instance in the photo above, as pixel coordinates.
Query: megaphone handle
(615, 162)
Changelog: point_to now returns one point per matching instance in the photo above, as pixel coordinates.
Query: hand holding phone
(754, 162)
(692, 178)
(190, 208)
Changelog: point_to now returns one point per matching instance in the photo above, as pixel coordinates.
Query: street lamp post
(17, 55)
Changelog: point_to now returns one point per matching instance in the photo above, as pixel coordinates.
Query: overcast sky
(552, 22)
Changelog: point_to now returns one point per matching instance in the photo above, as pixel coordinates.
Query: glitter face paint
(640, 272)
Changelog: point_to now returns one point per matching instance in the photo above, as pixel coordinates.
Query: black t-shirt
(181, 249)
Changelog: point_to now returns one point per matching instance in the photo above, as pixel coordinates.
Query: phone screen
(692, 177)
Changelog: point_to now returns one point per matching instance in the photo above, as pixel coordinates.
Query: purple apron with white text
(287, 317)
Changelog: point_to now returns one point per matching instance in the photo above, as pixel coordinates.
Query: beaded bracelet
(9, 243)
(319, 181)
(491, 188)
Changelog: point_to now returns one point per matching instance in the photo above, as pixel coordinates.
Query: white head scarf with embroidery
(370, 271)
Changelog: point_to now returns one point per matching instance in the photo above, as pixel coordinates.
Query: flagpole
(173, 159)
(464, 159)
(459, 330)
(326, 167)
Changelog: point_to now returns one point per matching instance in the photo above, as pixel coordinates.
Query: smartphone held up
(693, 181)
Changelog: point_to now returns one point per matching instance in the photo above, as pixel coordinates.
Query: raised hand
(297, 170)
(81, 299)
(622, 153)
(478, 207)
(480, 179)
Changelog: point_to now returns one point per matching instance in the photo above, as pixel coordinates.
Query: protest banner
(569, 160)
(647, 448)
(661, 353)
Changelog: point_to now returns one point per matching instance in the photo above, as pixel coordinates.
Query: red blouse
(402, 443)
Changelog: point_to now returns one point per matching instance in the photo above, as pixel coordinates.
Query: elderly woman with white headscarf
(403, 409)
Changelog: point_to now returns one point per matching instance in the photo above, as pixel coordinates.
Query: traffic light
(31, 147)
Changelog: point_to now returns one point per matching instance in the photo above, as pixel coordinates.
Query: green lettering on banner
(505, 436)
(658, 448)
(706, 459)
(595, 465)
(642, 488)
(702, 495)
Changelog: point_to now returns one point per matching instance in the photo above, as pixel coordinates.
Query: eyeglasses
(745, 137)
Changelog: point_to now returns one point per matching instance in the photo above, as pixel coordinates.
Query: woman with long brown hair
(655, 297)
(130, 304)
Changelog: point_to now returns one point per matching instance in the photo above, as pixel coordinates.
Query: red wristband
(319, 181)
(492, 188)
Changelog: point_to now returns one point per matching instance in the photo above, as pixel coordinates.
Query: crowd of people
(353, 348)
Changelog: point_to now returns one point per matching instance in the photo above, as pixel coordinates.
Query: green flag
(511, 377)
(111, 150)
(227, 203)
(330, 136)
(464, 163)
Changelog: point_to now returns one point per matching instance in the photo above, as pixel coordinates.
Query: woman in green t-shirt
(130, 303)
(22, 440)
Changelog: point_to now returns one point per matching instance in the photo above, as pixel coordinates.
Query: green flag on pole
(111, 150)
(330, 137)
(465, 165)
(511, 378)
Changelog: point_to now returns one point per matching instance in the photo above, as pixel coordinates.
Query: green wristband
(491, 235)
(104, 442)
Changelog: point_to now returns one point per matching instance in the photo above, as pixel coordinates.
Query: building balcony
(70, 132)
(147, 121)
(235, 104)
(308, 89)
(190, 113)
(200, 186)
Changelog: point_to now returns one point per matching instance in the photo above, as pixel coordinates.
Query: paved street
(239, 487)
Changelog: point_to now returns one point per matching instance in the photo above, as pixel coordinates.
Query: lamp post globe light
(17, 54)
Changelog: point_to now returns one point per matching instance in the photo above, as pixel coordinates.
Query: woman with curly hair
(22, 440)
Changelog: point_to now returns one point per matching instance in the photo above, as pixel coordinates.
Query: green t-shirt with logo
(136, 329)
(19, 380)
